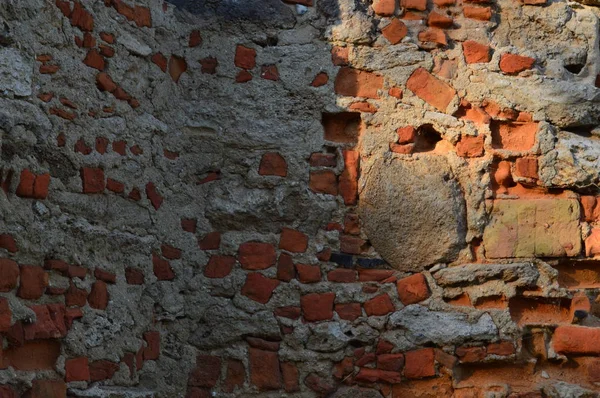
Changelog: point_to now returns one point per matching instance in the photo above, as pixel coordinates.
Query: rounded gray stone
(413, 211)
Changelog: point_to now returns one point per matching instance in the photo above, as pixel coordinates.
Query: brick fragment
(317, 307)
(259, 288)
(77, 369)
(256, 255)
(272, 164)
(430, 89)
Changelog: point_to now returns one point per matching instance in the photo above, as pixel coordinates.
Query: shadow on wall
(267, 12)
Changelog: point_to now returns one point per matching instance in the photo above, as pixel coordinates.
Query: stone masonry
(300, 198)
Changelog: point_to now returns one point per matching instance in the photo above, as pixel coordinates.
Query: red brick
(105, 276)
(320, 79)
(317, 307)
(475, 52)
(479, 13)
(308, 273)
(33, 282)
(107, 37)
(264, 369)
(8, 243)
(6, 391)
(358, 83)
(470, 354)
(513, 63)
(348, 311)
(342, 275)
(406, 134)
(433, 35)
(210, 241)
(269, 72)
(219, 266)
(256, 255)
(293, 241)
(318, 159)
(206, 373)
(9, 272)
(285, 268)
(62, 113)
(81, 18)
(162, 268)
(384, 347)
(49, 324)
(420, 5)
(245, 57)
(93, 59)
(504, 348)
(243, 76)
(352, 244)
(77, 369)
(152, 348)
(513, 136)
(235, 377)
(259, 288)
(153, 195)
(369, 375)
(384, 7)
(98, 297)
(49, 69)
(470, 146)
(430, 89)
(5, 315)
(374, 275)
(339, 55)
(324, 182)
(290, 312)
(576, 340)
(395, 92)
(115, 186)
(48, 389)
(75, 271)
(75, 296)
(391, 362)
(46, 97)
(142, 17)
(92, 180)
(26, 183)
(64, 6)
(272, 164)
(102, 370)
(177, 66)
(195, 38)
(323, 387)
(348, 184)
(289, 373)
(395, 31)
(526, 167)
(380, 305)
(160, 60)
(439, 21)
(419, 363)
(189, 225)
(413, 289)
(209, 65)
(170, 252)
(134, 276)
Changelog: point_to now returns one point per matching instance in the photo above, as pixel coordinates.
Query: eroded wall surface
(300, 198)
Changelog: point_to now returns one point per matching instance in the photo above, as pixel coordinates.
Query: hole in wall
(574, 68)
(426, 138)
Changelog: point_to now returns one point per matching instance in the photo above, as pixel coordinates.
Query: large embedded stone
(533, 228)
(413, 211)
(426, 326)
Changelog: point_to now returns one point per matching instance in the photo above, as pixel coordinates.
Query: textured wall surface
(299, 198)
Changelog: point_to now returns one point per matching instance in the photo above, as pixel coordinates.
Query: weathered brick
(206, 373)
(264, 369)
(380, 305)
(317, 307)
(162, 268)
(430, 89)
(308, 273)
(33, 282)
(92, 180)
(419, 363)
(576, 340)
(259, 288)
(256, 255)
(533, 228)
(245, 57)
(412, 289)
(358, 83)
(513, 63)
(475, 52)
(9, 272)
(98, 297)
(177, 66)
(470, 146)
(395, 31)
(77, 369)
(219, 266)
(272, 164)
(348, 181)
(102, 370)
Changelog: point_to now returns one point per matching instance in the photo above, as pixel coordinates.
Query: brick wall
(299, 198)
